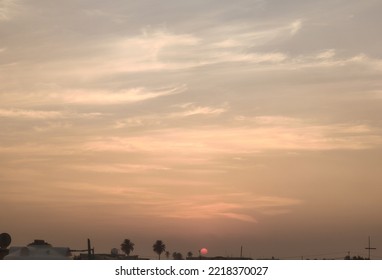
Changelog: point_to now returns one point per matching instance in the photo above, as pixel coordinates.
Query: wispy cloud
(128, 96)
(249, 36)
(30, 114)
(242, 206)
(245, 207)
(192, 110)
(163, 50)
(265, 133)
(243, 135)
(156, 203)
(327, 54)
(83, 97)
(147, 52)
(188, 110)
(7, 9)
(119, 168)
(271, 120)
(35, 114)
(295, 26)
(331, 59)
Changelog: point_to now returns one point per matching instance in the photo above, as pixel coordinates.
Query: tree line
(158, 247)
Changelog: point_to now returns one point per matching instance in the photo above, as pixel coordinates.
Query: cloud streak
(238, 206)
(108, 98)
(194, 110)
(83, 97)
(155, 120)
(45, 115)
(244, 207)
(266, 133)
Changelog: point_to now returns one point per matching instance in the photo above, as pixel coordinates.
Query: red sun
(203, 251)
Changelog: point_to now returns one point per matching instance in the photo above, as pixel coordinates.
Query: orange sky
(202, 124)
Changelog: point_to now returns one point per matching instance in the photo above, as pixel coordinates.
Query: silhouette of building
(107, 257)
(38, 250)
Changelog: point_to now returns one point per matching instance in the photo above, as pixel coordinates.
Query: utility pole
(370, 248)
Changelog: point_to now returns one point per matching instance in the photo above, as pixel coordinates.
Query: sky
(213, 123)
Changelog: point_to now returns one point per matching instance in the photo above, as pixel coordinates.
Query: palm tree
(127, 246)
(159, 247)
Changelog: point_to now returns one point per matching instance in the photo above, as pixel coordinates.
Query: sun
(203, 251)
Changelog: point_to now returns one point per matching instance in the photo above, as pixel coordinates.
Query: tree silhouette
(177, 256)
(127, 246)
(189, 254)
(167, 254)
(159, 247)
